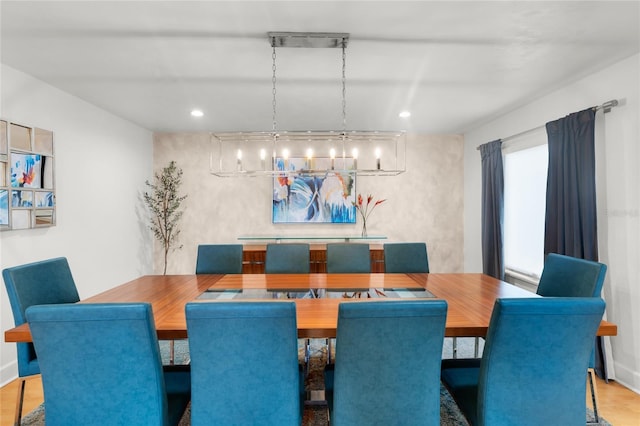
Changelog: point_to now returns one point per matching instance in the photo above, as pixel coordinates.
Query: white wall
(423, 204)
(618, 156)
(101, 163)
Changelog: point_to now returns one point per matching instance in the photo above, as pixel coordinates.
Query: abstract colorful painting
(44, 199)
(319, 197)
(4, 207)
(26, 170)
(22, 199)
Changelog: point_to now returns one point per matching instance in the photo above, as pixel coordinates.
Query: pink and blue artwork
(26, 170)
(318, 197)
(44, 199)
(4, 207)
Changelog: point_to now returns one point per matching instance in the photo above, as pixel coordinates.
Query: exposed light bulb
(197, 113)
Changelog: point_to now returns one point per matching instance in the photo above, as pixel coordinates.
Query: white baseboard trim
(8, 372)
(628, 378)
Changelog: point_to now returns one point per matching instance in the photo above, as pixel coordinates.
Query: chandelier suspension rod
(273, 82)
(344, 87)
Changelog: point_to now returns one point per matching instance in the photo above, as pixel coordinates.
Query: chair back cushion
(387, 368)
(219, 259)
(244, 363)
(406, 258)
(565, 276)
(44, 282)
(287, 259)
(534, 362)
(100, 364)
(348, 258)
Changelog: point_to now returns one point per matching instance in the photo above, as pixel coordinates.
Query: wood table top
(470, 298)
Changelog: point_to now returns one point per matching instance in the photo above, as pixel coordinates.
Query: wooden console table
(253, 258)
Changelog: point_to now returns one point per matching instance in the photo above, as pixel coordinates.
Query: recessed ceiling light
(197, 113)
(404, 114)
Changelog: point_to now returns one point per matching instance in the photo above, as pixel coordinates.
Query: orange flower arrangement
(365, 209)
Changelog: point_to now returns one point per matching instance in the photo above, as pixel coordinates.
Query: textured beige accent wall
(423, 204)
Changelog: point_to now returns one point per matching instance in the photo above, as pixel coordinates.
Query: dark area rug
(316, 413)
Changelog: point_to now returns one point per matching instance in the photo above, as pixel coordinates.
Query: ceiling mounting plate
(293, 39)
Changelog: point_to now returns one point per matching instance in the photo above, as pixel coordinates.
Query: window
(525, 187)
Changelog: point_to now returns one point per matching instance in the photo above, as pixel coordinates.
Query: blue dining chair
(405, 258)
(43, 282)
(290, 258)
(533, 364)
(387, 364)
(348, 258)
(101, 366)
(566, 276)
(219, 259)
(244, 363)
(214, 259)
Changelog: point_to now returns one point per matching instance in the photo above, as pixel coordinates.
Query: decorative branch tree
(164, 203)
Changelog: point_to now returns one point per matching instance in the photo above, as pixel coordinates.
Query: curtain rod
(606, 107)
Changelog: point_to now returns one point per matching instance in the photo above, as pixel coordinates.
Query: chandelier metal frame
(343, 150)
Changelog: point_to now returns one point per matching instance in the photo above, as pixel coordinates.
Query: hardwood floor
(617, 404)
(33, 397)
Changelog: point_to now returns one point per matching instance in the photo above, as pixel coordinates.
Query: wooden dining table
(470, 298)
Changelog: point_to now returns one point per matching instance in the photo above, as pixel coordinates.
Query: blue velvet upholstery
(387, 365)
(287, 259)
(565, 276)
(219, 259)
(244, 362)
(405, 258)
(532, 369)
(348, 258)
(44, 282)
(101, 365)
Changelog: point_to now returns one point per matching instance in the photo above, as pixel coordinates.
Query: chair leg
(172, 352)
(454, 345)
(591, 373)
(307, 356)
(18, 417)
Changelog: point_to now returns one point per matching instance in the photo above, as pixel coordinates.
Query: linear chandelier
(280, 153)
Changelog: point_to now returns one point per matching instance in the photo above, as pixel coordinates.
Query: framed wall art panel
(309, 191)
(27, 186)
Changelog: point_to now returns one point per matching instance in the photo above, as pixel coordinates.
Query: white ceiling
(453, 64)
